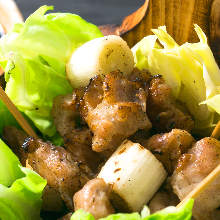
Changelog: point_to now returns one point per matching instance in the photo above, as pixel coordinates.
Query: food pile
(118, 128)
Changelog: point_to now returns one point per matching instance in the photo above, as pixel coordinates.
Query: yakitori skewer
(201, 186)
(18, 116)
(209, 179)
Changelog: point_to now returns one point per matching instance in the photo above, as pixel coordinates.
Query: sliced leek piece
(135, 175)
(99, 56)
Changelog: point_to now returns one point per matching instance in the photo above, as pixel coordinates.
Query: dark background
(96, 11)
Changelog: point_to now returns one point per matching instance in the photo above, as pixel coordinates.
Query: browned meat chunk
(93, 96)
(52, 200)
(15, 138)
(168, 147)
(192, 168)
(120, 114)
(65, 112)
(62, 172)
(162, 110)
(94, 198)
(77, 136)
(79, 143)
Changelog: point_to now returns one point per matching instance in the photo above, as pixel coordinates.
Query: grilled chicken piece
(161, 108)
(192, 168)
(92, 97)
(79, 143)
(58, 167)
(168, 147)
(94, 198)
(15, 138)
(52, 200)
(120, 113)
(77, 136)
(65, 112)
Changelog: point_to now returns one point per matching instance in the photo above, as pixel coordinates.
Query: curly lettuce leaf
(169, 213)
(190, 70)
(34, 56)
(20, 188)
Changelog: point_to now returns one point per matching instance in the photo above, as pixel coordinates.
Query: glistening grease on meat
(192, 168)
(120, 113)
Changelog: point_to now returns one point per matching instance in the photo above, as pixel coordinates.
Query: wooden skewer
(209, 179)
(216, 131)
(18, 116)
(201, 186)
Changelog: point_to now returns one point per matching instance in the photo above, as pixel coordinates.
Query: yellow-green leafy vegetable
(20, 188)
(34, 56)
(190, 70)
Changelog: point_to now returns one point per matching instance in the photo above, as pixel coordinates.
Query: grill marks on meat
(92, 97)
(58, 167)
(120, 114)
(94, 198)
(162, 110)
(192, 168)
(169, 147)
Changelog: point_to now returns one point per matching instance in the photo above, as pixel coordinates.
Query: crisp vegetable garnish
(6, 117)
(169, 213)
(20, 188)
(34, 56)
(189, 69)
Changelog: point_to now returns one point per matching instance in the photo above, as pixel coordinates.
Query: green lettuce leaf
(20, 188)
(190, 70)
(169, 213)
(173, 213)
(34, 56)
(9, 169)
(6, 117)
(81, 215)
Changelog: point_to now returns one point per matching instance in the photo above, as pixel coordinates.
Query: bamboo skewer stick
(216, 131)
(18, 116)
(209, 179)
(201, 186)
